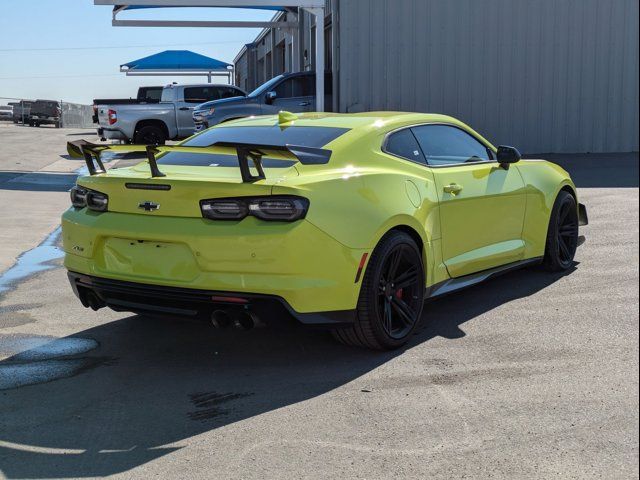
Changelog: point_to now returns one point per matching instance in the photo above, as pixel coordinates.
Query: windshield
(265, 87)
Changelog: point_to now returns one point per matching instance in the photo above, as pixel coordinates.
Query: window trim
(448, 165)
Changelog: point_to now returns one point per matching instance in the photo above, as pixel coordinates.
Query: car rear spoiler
(245, 151)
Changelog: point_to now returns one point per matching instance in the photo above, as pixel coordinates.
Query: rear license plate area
(148, 259)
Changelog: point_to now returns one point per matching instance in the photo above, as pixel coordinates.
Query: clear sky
(68, 50)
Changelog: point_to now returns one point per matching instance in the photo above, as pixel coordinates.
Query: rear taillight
(112, 116)
(273, 208)
(83, 197)
(230, 209)
(97, 201)
(78, 197)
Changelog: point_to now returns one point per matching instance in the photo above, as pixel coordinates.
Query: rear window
(316, 137)
(215, 160)
(150, 94)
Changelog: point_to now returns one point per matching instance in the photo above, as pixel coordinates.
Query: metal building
(544, 75)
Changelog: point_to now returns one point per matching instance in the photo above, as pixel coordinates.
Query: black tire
(150, 135)
(562, 234)
(387, 316)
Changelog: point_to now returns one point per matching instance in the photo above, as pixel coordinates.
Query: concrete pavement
(35, 177)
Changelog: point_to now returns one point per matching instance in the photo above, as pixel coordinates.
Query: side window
(228, 92)
(201, 94)
(302, 86)
(153, 94)
(307, 86)
(404, 144)
(445, 145)
(285, 89)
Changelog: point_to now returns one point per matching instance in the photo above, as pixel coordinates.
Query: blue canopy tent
(178, 62)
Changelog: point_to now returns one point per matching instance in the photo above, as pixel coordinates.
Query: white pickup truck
(154, 123)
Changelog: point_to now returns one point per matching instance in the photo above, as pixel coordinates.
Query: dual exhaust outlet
(220, 318)
(240, 319)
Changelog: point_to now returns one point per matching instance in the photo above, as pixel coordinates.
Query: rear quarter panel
(366, 194)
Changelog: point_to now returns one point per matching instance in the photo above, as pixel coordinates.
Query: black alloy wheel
(391, 296)
(562, 236)
(398, 292)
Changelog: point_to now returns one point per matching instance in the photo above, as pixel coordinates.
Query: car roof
(364, 120)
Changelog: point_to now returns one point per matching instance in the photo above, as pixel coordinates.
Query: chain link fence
(38, 112)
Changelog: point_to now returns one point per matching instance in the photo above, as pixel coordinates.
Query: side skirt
(455, 284)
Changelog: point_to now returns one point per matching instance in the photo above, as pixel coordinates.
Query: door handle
(185, 108)
(304, 104)
(452, 188)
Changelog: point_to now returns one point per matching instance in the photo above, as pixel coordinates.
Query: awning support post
(319, 66)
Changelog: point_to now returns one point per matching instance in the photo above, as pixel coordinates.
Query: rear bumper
(191, 303)
(296, 262)
(111, 134)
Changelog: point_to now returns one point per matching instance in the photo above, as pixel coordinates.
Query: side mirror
(270, 97)
(507, 155)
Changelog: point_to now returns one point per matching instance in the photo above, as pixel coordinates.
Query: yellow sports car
(349, 221)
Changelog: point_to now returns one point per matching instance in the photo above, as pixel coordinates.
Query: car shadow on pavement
(152, 384)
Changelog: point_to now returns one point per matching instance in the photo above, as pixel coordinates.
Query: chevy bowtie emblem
(148, 206)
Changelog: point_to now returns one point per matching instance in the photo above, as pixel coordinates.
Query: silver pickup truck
(170, 119)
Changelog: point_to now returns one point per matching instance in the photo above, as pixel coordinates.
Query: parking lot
(530, 375)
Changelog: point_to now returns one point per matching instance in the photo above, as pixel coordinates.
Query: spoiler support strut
(153, 165)
(90, 152)
(243, 161)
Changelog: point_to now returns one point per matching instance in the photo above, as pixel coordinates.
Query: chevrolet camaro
(346, 221)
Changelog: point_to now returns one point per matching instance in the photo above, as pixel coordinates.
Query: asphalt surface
(530, 375)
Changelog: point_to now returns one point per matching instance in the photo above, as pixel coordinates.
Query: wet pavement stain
(209, 403)
(18, 307)
(36, 260)
(15, 319)
(24, 347)
(15, 315)
(34, 359)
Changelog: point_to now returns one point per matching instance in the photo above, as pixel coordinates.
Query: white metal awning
(314, 7)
